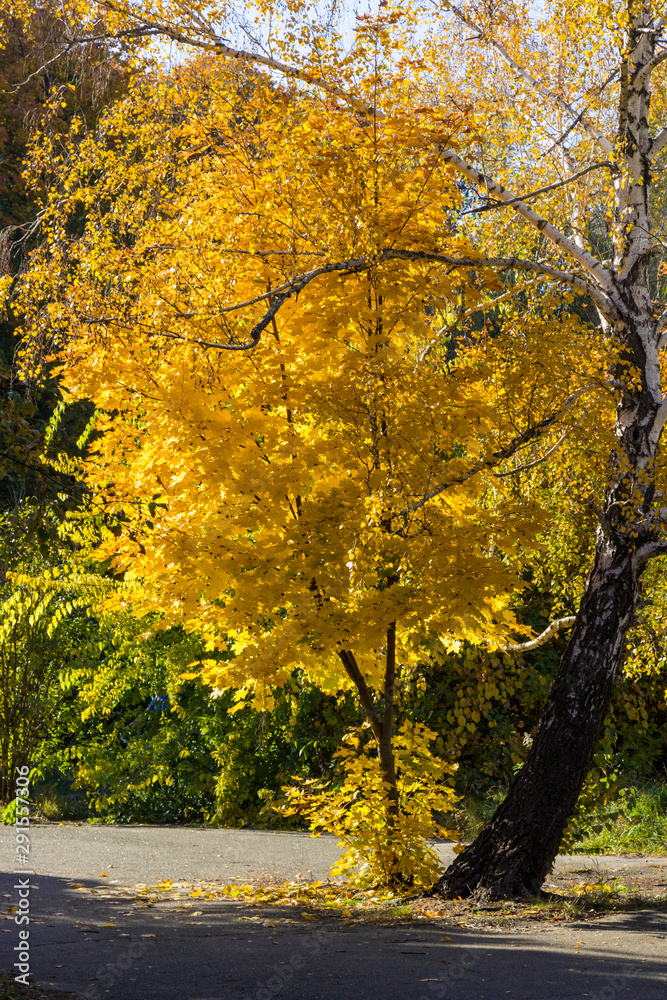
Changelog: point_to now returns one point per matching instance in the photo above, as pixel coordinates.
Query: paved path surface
(150, 853)
(102, 946)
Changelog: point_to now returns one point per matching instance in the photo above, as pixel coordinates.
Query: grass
(7, 987)
(10, 990)
(635, 823)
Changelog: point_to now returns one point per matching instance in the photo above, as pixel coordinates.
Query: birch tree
(579, 95)
(564, 113)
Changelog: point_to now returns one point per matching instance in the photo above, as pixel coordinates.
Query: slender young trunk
(383, 732)
(382, 727)
(385, 748)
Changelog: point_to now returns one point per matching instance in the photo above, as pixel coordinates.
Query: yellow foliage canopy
(296, 498)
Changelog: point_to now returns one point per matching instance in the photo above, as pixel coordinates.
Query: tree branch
(463, 313)
(542, 190)
(647, 69)
(354, 673)
(658, 144)
(537, 461)
(658, 422)
(518, 647)
(211, 42)
(497, 456)
(650, 549)
(582, 256)
(524, 75)
(508, 264)
(573, 124)
(660, 327)
(356, 264)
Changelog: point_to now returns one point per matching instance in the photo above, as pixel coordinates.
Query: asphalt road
(150, 853)
(100, 945)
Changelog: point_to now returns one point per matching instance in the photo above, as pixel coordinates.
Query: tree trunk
(385, 747)
(514, 852)
(382, 728)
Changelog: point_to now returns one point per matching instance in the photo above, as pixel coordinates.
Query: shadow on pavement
(101, 946)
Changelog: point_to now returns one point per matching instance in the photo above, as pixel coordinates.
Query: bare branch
(535, 431)
(197, 341)
(604, 304)
(598, 91)
(31, 76)
(519, 647)
(444, 330)
(542, 190)
(462, 313)
(537, 461)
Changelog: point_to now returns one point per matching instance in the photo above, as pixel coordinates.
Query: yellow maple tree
(297, 469)
(289, 270)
